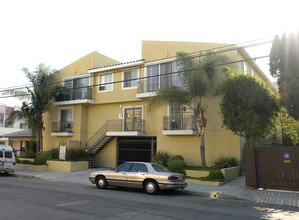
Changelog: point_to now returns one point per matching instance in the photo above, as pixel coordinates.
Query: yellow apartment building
(105, 108)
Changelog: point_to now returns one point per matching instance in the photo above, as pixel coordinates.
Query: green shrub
(29, 154)
(225, 162)
(25, 162)
(42, 157)
(176, 164)
(54, 153)
(179, 157)
(75, 154)
(17, 159)
(216, 175)
(161, 157)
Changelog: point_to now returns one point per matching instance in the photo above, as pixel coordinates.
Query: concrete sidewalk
(234, 189)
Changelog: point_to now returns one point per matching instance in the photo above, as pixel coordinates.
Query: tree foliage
(200, 77)
(287, 125)
(247, 107)
(284, 65)
(44, 90)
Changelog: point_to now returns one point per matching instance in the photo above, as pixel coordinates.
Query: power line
(202, 53)
(205, 52)
(155, 76)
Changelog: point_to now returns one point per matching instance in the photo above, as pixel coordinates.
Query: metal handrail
(118, 125)
(75, 94)
(126, 125)
(62, 126)
(96, 136)
(178, 123)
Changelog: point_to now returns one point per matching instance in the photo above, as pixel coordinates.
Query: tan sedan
(151, 177)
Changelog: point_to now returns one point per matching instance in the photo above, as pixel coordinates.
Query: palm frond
(169, 95)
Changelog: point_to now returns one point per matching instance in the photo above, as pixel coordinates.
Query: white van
(7, 160)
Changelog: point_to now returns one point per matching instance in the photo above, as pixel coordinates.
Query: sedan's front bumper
(92, 179)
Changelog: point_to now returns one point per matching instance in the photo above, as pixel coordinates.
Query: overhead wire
(155, 76)
(200, 54)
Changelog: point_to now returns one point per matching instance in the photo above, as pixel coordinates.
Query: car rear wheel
(151, 187)
(101, 182)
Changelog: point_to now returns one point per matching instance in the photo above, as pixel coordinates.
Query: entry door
(133, 119)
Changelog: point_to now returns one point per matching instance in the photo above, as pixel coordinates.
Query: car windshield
(159, 168)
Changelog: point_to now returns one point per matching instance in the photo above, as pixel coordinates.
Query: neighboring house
(105, 109)
(5, 111)
(18, 140)
(3, 132)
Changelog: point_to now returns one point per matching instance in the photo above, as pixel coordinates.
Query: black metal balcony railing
(125, 125)
(154, 83)
(62, 126)
(75, 94)
(178, 123)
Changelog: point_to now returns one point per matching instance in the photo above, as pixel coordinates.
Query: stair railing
(95, 137)
(113, 125)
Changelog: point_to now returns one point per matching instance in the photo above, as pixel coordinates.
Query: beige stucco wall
(156, 50)
(82, 65)
(66, 166)
(118, 94)
(108, 156)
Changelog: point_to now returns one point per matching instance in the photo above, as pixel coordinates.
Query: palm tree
(41, 98)
(200, 78)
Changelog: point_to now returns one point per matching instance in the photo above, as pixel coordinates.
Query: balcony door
(66, 120)
(180, 117)
(133, 119)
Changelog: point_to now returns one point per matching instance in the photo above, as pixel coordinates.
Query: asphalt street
(23, 198)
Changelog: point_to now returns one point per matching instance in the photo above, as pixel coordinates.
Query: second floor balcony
(125, 127)
(75, 96)
(179, 125)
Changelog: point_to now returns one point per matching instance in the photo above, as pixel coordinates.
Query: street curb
(25, 176)
(213, 195)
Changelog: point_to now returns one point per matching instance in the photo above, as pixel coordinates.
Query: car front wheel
(101, 182)
(151, 187)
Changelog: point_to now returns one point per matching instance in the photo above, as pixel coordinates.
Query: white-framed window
(77, 88)
(77, 82)
(130, 79)
(106, 82)
(163, 75)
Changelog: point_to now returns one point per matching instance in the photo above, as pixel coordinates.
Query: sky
(59, 32)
